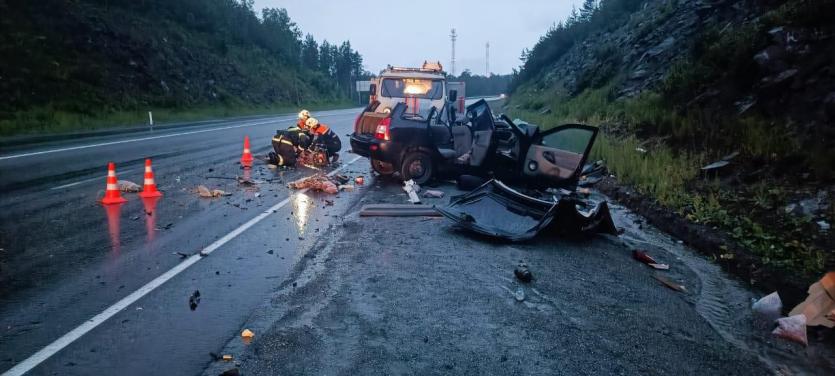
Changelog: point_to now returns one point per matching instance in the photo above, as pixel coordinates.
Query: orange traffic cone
(150, 188)
(112, 194)
(246, 158)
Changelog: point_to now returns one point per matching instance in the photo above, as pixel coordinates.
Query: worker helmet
(311, 123)
(304, 114)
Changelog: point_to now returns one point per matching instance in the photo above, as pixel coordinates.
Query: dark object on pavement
(470, 182)
(231, 372)
(194, 300)
(398, 210)
(523, 274)
(495, 209)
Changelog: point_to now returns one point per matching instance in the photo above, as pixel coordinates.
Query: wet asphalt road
(65, 258)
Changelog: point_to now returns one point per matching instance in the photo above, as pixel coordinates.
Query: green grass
(46, 120)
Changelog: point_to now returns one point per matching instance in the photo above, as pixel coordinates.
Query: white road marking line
(85, 181)
(273, 120)
(67, 339)
(135, 140)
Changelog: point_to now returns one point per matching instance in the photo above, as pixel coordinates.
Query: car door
(558, 154)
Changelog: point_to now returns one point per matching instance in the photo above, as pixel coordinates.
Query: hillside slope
(678, 84)
(72, 62)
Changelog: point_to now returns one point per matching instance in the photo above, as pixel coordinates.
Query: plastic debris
(227, 358)
(203, 191)
(247, 334)
(412, 189)
(519, 295)
(715, 165)
(819, 306)
(128, 186)
(346, 187)
(432, 193)
(316, 182)
(792, 328)
(768, 307)
(667, 282)
(642, 256)
(359, 180)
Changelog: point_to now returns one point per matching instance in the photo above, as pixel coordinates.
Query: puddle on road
(725, 303)
(302, 206)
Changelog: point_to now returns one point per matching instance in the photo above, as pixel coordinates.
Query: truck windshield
(412, 87)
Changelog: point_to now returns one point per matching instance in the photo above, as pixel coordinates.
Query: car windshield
(412, 87)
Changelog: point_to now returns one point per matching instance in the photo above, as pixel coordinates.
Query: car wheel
(382, 168)
(417, 166)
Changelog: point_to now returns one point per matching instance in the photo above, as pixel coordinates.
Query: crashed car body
(496, 210)
(425, 145)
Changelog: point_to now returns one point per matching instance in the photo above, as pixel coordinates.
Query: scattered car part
(412, 189)
(494, 209)
(523, 274)
(645, 258)
(398, 210)
(792, 328)
(432, 193)
(667, 282)
(768, 307)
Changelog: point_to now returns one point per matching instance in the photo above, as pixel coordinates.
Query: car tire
(382, 168)
(417, 166)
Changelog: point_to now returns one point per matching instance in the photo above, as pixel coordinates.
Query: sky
(405, 33)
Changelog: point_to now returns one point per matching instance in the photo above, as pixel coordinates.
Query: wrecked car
(421, 146)
(496, 210)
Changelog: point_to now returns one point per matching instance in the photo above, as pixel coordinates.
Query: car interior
(556, 153)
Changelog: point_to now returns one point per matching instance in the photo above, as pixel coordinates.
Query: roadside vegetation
(85, 64)
(657, 140)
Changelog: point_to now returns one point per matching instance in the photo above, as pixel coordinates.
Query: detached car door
(559, 154)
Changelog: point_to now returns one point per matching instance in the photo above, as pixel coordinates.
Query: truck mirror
(453, 95)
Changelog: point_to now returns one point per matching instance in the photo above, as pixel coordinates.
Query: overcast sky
(407, 33)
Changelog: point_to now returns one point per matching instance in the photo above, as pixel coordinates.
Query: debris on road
(128, 186)
(522, 273)
(819, 306)
(433, 193)
(519, 295)
(247, 181)
(346, 187)
(494, 209)
(792, 328)
(316, 182)
(645, 258)
(768, 307)
(181, 254)
(227, 358)
(247, 336)
(667, 282)
(359, 180)
(412, 190)
(398, 210)
(204, 191)
(231, 372)
(194, 300)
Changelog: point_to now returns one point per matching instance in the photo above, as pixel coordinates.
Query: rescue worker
(303, 116)
(324, 136)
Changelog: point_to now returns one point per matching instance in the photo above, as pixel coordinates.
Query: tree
(310, 53)
(587, 9)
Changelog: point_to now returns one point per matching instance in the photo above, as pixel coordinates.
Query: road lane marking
(273, 120)
(86, 181)
(135, 140)
(39, 357)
